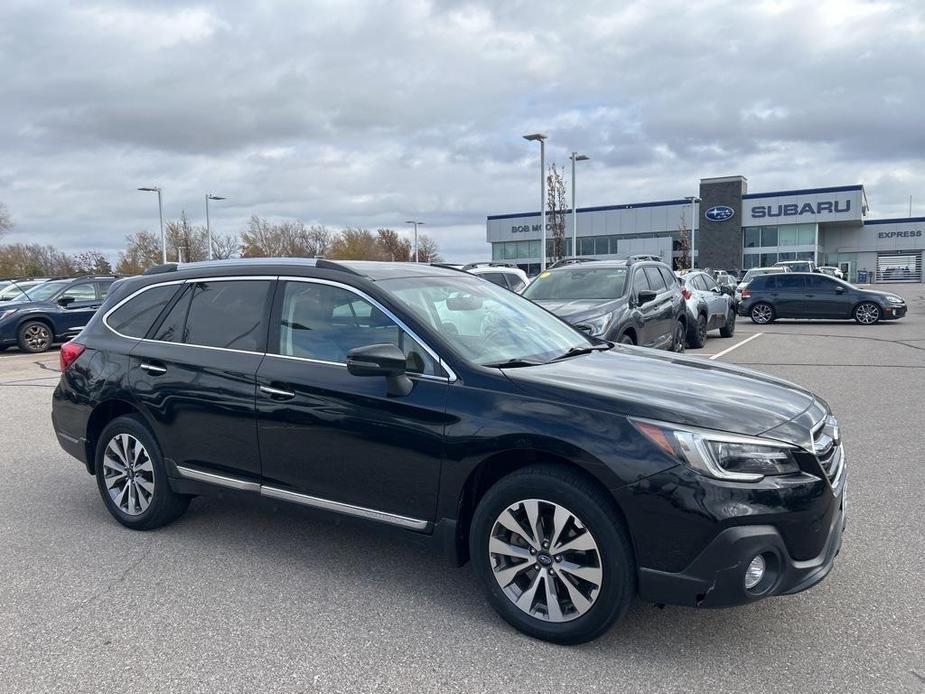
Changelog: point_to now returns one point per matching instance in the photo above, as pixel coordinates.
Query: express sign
(795, 210)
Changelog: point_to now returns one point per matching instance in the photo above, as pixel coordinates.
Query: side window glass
(708, 282)
(821, 284)
(319, 321)
(171, 328)
(790, 281)
(495, 278)
(655, 279)
(668, 276)
(516, 283)
(103, 288)
(134, 317)
(640, 283)
(85, 291)
(229, 314)
(697, 282)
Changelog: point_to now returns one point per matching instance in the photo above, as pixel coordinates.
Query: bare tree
(556, 203)
(393, 246)
(356, 244)
(6, 222)
(186, 241)
(225, 246)
(92, 263)
(31, 260)
(142, 251)
(318, 241)
(427, 250)
(682, 245)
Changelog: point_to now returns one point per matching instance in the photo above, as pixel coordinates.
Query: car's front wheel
(552, 555)
(132, 479)
(867, 313)
(34, 336)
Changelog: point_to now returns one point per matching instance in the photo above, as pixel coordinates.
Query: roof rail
(572, 261)
(643, 256)
(315, 262)
(487, 263)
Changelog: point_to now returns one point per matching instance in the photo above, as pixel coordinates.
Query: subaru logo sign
(720, 213)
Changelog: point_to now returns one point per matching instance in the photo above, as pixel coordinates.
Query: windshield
(578, 283)
(15, 290)
(41, 291)
(483, 322)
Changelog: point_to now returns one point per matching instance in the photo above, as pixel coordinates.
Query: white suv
(504, 275)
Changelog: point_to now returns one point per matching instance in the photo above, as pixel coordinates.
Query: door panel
(329, 434)
(823, 301)
(76, 314)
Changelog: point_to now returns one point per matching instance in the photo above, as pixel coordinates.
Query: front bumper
(715, 578)
(892, 312)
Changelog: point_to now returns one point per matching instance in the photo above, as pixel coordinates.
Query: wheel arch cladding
(504, 463)
(102, 415)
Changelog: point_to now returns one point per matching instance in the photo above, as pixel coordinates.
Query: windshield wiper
(513, 363)
(575, 351)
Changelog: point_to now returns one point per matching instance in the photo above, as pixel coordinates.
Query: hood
(665, 386)
(574, 310)
(874, 293)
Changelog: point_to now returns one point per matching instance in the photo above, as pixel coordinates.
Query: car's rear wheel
(867, 313)
(678, 337)
(627, 340)
(34, 336)
(729, 329)
(762, 313)
(699, 336)
(552, 555)
(132, 479)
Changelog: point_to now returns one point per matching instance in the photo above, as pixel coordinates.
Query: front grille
(828, 449)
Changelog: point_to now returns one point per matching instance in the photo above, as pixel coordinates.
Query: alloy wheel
(762, 313)
(678, 342)
(867, 314)
(129, 474)
(545, 560)
(37, 337)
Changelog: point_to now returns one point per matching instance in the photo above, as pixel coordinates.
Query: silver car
(708, 308)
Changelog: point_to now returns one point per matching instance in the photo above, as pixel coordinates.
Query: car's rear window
(135, 316)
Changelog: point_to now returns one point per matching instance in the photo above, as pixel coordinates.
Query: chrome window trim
(451, 375)
(303, 499)
(450, 378)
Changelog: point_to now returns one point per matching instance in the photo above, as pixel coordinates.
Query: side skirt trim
(304, 499)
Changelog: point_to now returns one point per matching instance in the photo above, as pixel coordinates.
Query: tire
(583, 612)
(155, 503)
(34, 336)
(762, 313)
(678, 337)
(729, 329)
(627, 340)
(867, 313)
(697, 338)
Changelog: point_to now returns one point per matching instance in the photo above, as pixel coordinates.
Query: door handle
(277, 392)
(152, 368)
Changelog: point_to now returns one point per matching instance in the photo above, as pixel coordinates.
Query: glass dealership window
(768, 236)
(750, 260)
(522, 250)
(768, 259)
(601, 245)
(752, 237)
(806, 234)
(787, 235)
(497, 251)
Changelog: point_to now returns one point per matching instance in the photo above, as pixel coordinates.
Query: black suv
(816, 295)
(626, 301)
(576, 474)
(51, 312)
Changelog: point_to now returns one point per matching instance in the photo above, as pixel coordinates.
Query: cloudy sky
(371, 113)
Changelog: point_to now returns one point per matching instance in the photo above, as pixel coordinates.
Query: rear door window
(656, 281)
(135, 316)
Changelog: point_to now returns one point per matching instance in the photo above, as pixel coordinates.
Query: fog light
(754, 573)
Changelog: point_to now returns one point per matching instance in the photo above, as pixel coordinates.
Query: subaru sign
(720, 213)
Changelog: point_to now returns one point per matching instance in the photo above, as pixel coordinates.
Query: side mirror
(65, 301)
(381, 360)
(645, 296)
(727, 289)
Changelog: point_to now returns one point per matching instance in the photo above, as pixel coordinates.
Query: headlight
(595, 327)
(894, 299)
(9, 312)
(720, 455)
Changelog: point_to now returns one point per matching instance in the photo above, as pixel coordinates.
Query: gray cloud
(367, 113)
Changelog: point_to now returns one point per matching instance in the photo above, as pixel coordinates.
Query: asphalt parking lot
(243, 594)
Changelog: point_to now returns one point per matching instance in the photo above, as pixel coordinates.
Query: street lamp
(539, 137)
(410, 221)
(575, 157)
(160, 210)
(693, 199)
(209, 196)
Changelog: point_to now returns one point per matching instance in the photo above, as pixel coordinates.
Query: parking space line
(735, 346)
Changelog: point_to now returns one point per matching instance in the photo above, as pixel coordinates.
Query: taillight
(686, 292)
(69, 353)
(746, 293)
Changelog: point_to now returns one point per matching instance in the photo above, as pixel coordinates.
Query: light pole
(160, 211)
(209, 196)
(693, 200)
(575, 157)
(539, 137)
(415, 237)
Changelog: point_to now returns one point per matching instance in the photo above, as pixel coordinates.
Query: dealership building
(733, 229)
